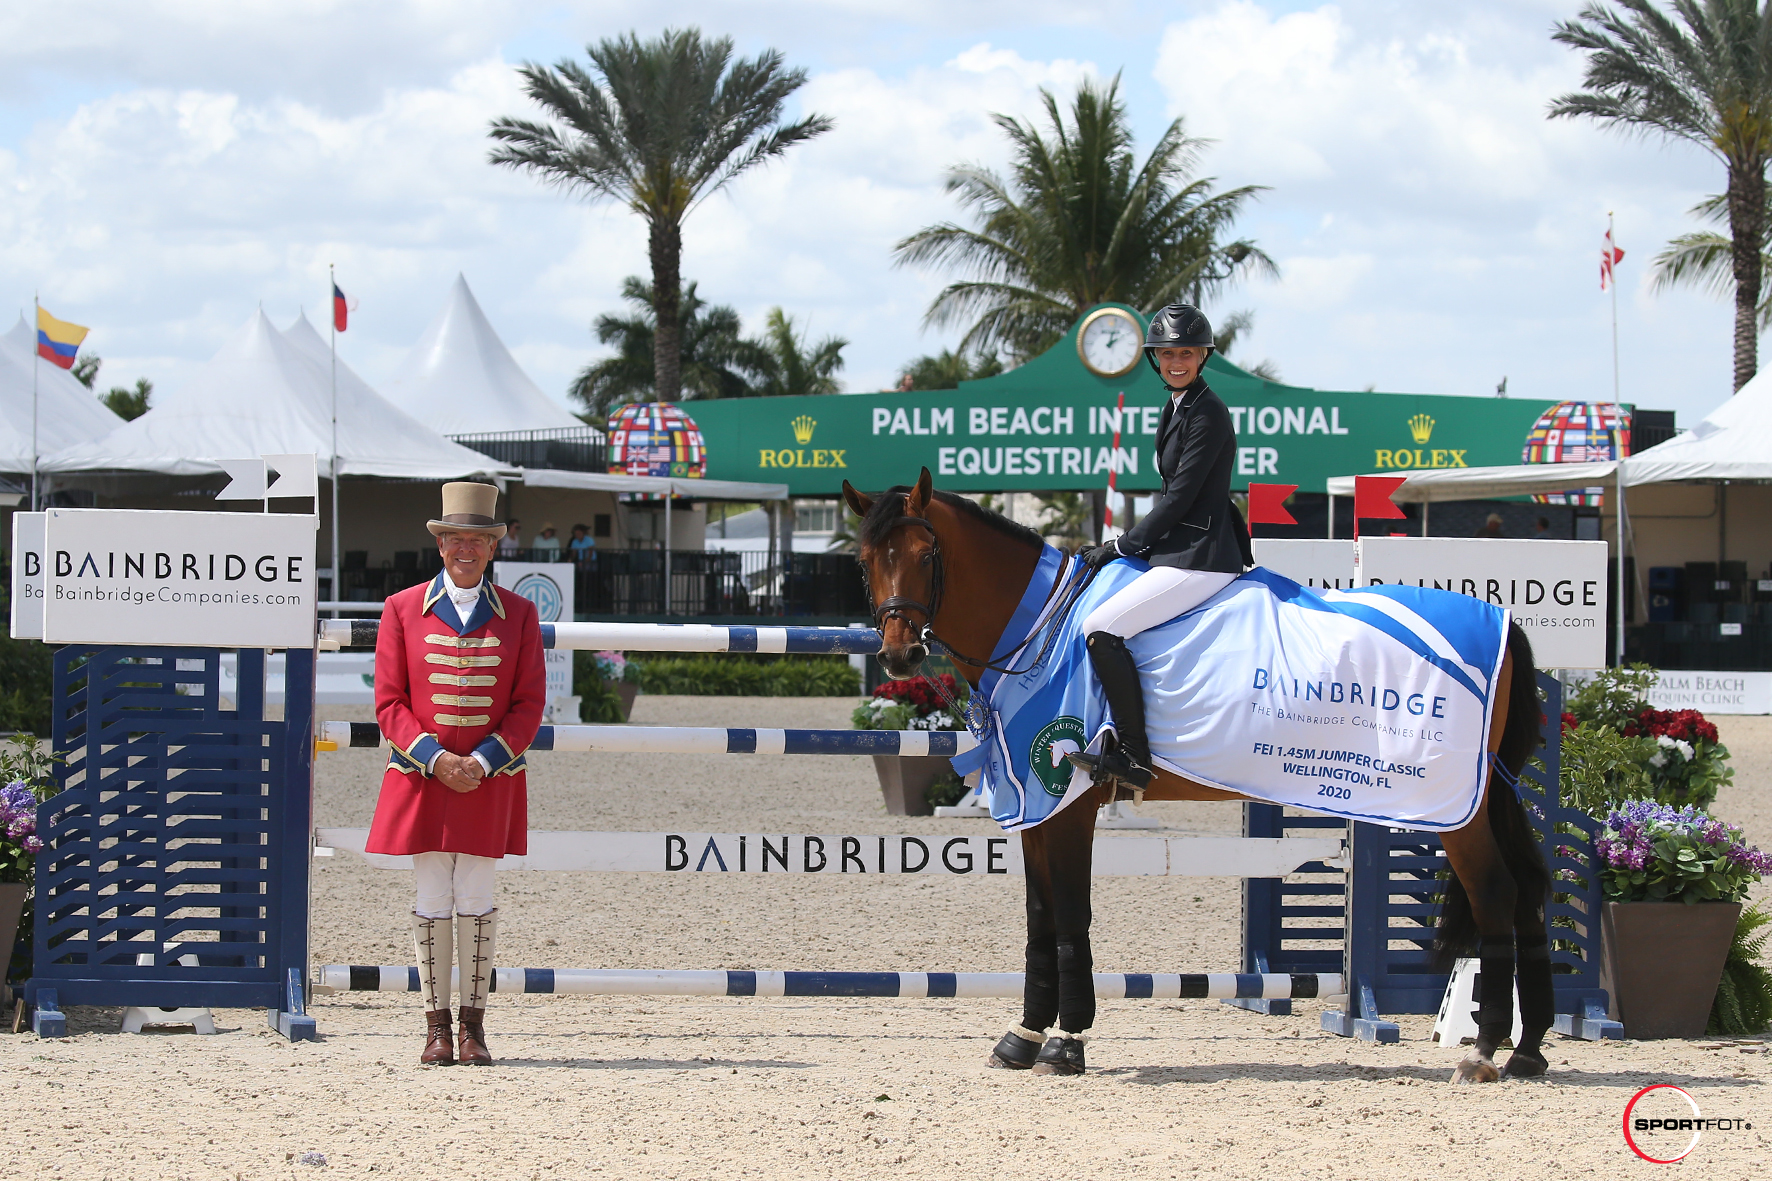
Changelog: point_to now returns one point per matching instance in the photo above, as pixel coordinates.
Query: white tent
(264, 393)
(1732, 442)
(67, 412)
(460, 379)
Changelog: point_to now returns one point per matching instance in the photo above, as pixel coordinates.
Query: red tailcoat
(464, 686)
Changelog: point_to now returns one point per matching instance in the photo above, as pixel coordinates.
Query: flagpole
(1617, 442)
(36, 327)
(338, 575)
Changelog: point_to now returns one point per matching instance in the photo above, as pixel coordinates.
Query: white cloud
(1434, 228)
(162, 216)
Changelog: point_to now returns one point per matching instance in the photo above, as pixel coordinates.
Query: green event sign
(1050, 425)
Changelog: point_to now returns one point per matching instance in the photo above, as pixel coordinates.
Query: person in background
(460, 683)
(582, 543)
(1491, 527)
(546, 547)
(512, 542)
(1542, 533)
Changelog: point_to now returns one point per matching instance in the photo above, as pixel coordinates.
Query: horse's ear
(858, 503)
(917, 503)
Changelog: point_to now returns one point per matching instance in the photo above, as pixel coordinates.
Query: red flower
(1569, 721)
(920, 693)
(1687, 725)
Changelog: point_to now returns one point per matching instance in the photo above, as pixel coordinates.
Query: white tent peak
(264, 393)
(460, 379)
(67, 412)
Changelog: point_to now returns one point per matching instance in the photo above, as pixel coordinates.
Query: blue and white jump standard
(653, 637)
(620, 982)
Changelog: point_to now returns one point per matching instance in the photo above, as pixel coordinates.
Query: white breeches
(453, 883)
(1156, 596)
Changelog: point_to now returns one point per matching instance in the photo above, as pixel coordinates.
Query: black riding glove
(1098, 556)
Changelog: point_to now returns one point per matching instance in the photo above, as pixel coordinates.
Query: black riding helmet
(1180, 325)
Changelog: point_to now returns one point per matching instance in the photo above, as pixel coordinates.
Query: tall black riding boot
(1129, 760)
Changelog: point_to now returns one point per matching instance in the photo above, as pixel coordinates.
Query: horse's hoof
(1014, 1052)
(1525, 1064)
(1060, 1055)
(1476, 1068)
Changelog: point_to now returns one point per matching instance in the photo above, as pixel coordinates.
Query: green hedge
(26, 683)
(735, 675)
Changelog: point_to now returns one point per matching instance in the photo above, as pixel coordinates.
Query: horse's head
(901, 558)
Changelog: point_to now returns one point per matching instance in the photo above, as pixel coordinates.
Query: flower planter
(627, 691)
(1660, 963)
(905, 780)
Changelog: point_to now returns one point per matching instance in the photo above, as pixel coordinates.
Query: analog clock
(1109, 342)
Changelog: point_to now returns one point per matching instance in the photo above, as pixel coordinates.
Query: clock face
(1110, 342)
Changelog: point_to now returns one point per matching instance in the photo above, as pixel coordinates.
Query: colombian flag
(58, 340)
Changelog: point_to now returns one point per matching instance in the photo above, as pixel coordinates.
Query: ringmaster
(460, 685)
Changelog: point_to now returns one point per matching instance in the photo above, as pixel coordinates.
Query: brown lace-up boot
(475, 937)
(434, 940)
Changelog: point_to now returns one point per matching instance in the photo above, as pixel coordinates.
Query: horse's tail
(1521, 852)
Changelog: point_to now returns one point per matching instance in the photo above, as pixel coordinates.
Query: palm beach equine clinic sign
(204, 579)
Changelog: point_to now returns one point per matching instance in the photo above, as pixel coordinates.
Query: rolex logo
(803, 429)
(1421, 427)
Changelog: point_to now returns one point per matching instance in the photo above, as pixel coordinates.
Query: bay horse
(943, 571)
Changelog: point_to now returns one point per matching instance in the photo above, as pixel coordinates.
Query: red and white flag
(1610, 256)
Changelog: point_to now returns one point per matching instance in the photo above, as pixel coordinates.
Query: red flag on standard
(1610, 256)
(341, 308)
(1267, 504)
(1372, 499)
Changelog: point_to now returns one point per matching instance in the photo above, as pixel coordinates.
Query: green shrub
(1744, 996)
(945, 790)
(26, 685)
(1613, 697)
(1602, 768)
(731, 675)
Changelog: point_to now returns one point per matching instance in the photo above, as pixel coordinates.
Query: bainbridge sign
(202, 579)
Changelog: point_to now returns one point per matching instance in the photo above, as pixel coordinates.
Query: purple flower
(32, 844)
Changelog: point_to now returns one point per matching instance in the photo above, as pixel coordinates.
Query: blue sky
(166, 167)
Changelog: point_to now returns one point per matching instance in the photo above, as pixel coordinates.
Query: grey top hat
(468, 508)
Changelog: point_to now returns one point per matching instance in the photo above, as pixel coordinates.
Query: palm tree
(1705, 79)
(789, 367)
(1069, 518)
(660, 126)
(1080, 222)
(1705, 260)
(714, 357)
(1230, 330)
(947, 369)
(130, 404)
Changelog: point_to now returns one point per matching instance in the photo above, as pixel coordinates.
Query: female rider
(1194, 538)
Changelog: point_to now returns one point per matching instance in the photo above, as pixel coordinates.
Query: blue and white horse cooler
(1373, 704)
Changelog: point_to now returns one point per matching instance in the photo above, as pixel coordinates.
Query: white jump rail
(697, 740)
(875, 855)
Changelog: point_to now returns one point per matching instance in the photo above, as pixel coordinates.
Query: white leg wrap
(476, 935)
(433, 941)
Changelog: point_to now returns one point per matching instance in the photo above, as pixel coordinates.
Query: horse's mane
(888, 509)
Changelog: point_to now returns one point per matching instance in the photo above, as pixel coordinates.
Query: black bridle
(896, 606)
